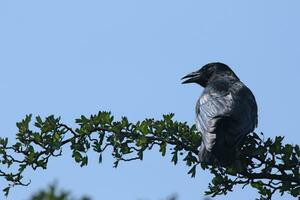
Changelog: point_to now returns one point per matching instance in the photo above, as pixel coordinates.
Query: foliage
(265, 164)
(52, 193)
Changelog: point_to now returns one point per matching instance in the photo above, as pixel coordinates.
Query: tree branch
(267, 165)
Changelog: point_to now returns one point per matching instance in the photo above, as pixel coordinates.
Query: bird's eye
(229, 73)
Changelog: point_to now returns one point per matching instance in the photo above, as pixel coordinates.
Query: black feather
(225, 113)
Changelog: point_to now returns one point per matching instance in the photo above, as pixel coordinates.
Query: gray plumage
(225, 113)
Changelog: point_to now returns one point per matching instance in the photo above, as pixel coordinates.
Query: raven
(225, 113)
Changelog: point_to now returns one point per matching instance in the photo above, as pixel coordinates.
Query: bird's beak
(191, 78)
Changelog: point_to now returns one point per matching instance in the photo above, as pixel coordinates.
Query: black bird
(225, 113)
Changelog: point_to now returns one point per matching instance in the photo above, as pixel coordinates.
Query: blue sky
(78, 57)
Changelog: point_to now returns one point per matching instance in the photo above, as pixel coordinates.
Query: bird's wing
(225, 114)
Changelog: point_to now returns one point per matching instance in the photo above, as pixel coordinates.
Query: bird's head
(208, 72)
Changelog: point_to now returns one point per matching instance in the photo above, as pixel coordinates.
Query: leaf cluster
(267, 165)
(52, 193)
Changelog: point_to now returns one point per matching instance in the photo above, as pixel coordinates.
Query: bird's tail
(224, 158)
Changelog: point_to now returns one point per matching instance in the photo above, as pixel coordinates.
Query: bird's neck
(222, 78)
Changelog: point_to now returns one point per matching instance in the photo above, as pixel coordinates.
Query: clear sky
(76, 57)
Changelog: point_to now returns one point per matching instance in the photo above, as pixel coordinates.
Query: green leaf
(141, 154)
(125, 122)
(37, 137)
(276, 146)
(105, 117)
(204, 166)
(231, 171)
(9, 177)
(39, 119)
(77, 156)
(189, 159)
(141, 141)
(295, 192)
(27, 119)
(6, 191)
(168, 117)
(193, 171)
(4, 142)
(217, 180)
(144, 128)
(24, 124)
(297, 149)
(258, 185)
(39, 122)
(163, 147)
(56, 137)
(175, 157)
(100, 158)
(31, 157)
(84, 161)
(124, 148)
(288, 149)
(22, 167)
(42, 164)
